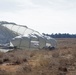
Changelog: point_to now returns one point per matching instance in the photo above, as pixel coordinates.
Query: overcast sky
(45, 16)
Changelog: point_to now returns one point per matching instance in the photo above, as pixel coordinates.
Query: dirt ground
(60, 61)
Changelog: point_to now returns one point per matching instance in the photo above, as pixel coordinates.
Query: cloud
(8, 5)
(56, 4)
(63, 4)
(18, 5)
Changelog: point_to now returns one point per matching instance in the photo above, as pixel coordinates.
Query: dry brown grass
(61, 61)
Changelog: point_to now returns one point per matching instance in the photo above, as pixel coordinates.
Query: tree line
(61, 35)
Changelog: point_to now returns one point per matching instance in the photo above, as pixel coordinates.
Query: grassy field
(61, 61)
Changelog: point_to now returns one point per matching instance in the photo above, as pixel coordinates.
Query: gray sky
(45, 16)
